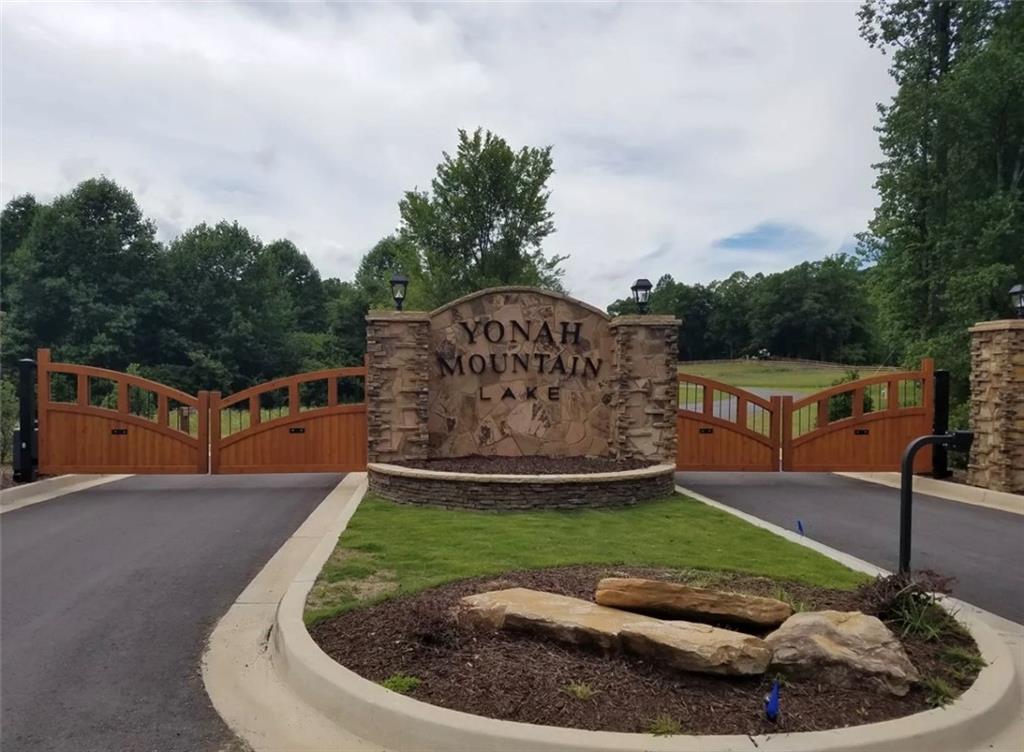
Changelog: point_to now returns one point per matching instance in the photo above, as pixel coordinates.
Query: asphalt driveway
(983, 548)
(108, 597)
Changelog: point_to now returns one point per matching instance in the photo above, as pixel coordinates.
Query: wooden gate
(722, 427)
(861, 426)
(295, 424)
(92, 420)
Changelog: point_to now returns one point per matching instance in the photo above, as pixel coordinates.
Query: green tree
(302, 282)
(691, 304)
(485, 219)
(15, 222)
(235, 317)
(813, 310)
(729, 320)
(947, 235)
(392, 254)
(87, 280)
(347, 307)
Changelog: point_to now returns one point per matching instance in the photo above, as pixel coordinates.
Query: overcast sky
(693, 139)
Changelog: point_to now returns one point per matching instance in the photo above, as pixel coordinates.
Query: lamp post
(642, 294)
(399, 285)
(1017, 300)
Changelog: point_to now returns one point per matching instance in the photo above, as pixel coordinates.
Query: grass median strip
(391, 549)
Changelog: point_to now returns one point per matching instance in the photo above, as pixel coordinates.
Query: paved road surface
(983, 548)
(108, 597)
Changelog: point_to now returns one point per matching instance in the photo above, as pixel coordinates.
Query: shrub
(580, 690)
(938, 692)
(908, 602)
(841, 405)
(8, 419)
(401, 683)
(663, 725)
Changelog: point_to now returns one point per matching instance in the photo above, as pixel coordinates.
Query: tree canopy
(484, 221)
(947, 239)
(816, 310)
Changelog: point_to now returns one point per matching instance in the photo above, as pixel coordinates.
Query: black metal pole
(26, 448)
(940, 455)
(959, 441)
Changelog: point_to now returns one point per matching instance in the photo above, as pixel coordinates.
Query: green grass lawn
(391, 549)
(772, 374)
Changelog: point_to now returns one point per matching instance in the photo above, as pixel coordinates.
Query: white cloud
(673, 125)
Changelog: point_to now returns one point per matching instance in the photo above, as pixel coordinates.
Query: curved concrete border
(401, 723)
(553, 479)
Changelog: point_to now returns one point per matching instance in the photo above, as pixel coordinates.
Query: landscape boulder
(676, 600)
(689, 647)
(842, 647)
(697, 647)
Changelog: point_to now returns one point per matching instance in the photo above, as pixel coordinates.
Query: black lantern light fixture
(642, 294)
(399, 286)
(1017, 300)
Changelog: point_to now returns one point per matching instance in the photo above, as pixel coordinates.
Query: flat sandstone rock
(689, 647)
(697, 647)
(844, 648)
(673, 599)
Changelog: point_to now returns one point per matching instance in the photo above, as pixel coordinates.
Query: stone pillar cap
(386, 315)
(638, 320)
(998, 325)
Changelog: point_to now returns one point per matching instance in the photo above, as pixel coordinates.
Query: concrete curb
(50, 488)
(943, 489)
(238, 674)
(401, 723)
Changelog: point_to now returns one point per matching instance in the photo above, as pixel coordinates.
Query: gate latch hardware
(119, 431)
(705, 430)
(298, 429)
(861, 431)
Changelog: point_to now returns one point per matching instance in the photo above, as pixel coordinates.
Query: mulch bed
(522, 678)
(526, 465)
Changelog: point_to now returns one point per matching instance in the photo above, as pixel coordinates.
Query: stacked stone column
(397, 374)
(645, 388)
(997, 405)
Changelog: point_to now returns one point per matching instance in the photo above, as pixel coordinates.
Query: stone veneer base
(516, 492)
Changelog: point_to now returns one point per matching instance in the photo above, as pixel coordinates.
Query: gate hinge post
(26, 446)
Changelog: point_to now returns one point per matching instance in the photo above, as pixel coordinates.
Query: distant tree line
(816, 310)
(217, 308)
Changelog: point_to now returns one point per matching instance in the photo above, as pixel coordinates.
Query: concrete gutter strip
(553, 479)
(237, 670)
(944, 489)
(985, 711)
(50, 488)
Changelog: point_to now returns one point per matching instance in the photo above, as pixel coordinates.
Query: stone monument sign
(517, 372)
(520, 371)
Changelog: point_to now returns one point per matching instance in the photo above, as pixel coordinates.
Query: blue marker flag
(800, 526)
(771, 703)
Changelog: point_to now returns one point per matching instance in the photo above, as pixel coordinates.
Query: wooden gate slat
(708, 441)
(329, 438)
(864, 441)
(78, 437)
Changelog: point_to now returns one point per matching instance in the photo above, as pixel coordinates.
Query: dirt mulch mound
(521, 678)
(527, 465)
